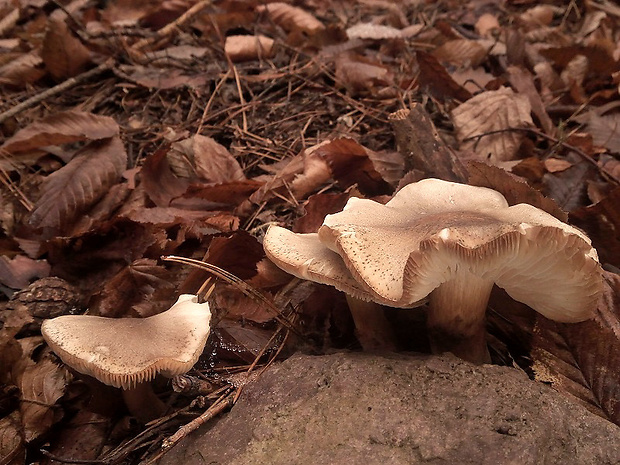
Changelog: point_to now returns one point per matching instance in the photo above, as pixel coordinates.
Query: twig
(223, 403)
(63, 86)
(606, 174)
(168, 29)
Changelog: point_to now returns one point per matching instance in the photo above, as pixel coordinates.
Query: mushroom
(447, 243)
(127, 353)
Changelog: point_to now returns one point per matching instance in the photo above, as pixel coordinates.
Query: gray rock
(359, 408)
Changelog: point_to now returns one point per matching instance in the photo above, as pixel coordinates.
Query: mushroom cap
(123, 352)
(398, 253)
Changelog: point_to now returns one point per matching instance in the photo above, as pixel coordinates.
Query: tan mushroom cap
(123, 352)
(398, 253)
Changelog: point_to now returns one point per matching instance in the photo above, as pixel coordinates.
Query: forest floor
(131, 131)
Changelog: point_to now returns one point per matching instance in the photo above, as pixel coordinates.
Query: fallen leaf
(291, 17)
(83, 438)
(152, 77)
(523, 81)
(461, 52)
(41, 384)
(205, 157)
(554, 165)
(602, 223)
(316, 208)
(18, 272)
(350, 164)
(159, 182)
(491, 115)
(436, 79)
(61, 128)
(79, 184)
(247, 48)
(134, 284)
(373, 31)
(63, 54)
(12, 451)
(359, 75)
(515, 191)
(22, 70)
(605, 130)
(595, 347)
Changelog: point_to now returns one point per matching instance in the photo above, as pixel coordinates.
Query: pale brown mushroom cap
(400, 252)
(123, 352)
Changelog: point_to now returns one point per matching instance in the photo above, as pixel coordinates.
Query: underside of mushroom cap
(123, 352)
(400, 252)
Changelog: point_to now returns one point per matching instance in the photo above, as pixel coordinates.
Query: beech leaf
(12, 450)
(489, 112)
(291, 17)
(79, 184)
(41, 385)
(63, 53)
(61, 128)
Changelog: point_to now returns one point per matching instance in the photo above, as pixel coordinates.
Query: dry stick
(566, 145)
(63, 86)
(169, 28)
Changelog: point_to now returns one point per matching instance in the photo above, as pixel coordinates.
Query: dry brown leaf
(373, 31)
(12, 451)
(540, 15)
(359, 75)
(79, 184)
(434, 77)
(61, 128)
(25, 69)
(158, 180)
(523, 81)
(461, 52)
(515, 191)
(63, 54)
(206, 158)
(41, 384)
(605, 130)
(595, 348)
(554, 165)
(473, 80)
(132, 285)
(291, 17)
(488, 113)
(602, 223)
(162, 78)
(350, 164)
(247, 48)
(17, 272)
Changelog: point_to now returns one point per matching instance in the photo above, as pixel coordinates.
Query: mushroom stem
(143, 403)
(372, 329)
(456, 317)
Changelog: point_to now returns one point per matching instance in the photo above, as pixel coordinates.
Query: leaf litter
(135, 131)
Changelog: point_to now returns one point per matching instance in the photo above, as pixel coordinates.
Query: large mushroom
(447, 243)
(127, 353)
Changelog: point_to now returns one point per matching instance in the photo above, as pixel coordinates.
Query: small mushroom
(127, 353)
(447, 243)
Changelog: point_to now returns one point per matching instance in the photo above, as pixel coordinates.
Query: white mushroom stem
(143, 403)
(456, 317)
(372, 329)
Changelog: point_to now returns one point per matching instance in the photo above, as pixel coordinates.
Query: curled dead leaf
(247, 48)
(291, 17)
(461, 52)
(61, 128)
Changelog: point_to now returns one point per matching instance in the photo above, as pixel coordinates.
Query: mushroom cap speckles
(123, 352)
(396, 254)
